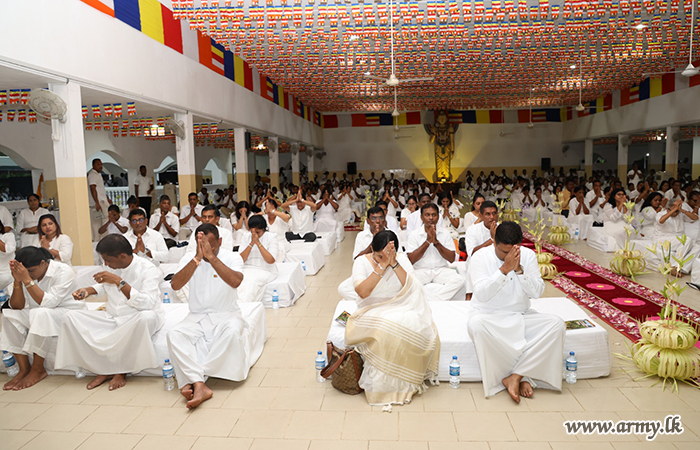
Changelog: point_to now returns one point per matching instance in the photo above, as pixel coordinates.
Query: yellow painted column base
(622, 175)
(187, 184)
(589, 171)
(242, 186)
(230, 179)
(75, 217)
(295, 178)
(275, 180)
(672, 169)
(696, 170)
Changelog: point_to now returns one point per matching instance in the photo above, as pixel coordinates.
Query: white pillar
(588, 157)
(71, 179)
(241, 154)
(184, 155)
(671, 152)
(696, 157)
(622, 151)
(229, 167)
(295, 166)
(310, 163)
(274, 162)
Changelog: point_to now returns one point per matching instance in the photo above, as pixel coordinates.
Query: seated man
(165, 222)
(517, 348)
(481, 235)
(431, 249)
(117, 341)
(116, 224)
(579, 213)
(375, 223)
(190, 215)
(210, 214)
(146, 242)
(391, 223)
(414, 221)
(207, 342)
(302, 223)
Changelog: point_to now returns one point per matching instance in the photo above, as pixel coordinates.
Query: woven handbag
(345, 366)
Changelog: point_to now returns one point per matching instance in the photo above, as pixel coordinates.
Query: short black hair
(132, 200)
(114, 245)
(381, 203)
(382, 239)
(508, 233)
(32, 256)
(420, 197)
(207, 228)
(257, 222)
(136, 212)
(579, 188)
(427, 206)
(114, 208)
(212, 208)
(33, 195)
(375, 210)
(191, 194)
(164, 197)
(487, 204)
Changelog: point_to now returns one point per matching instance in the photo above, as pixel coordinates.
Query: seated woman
(27, 221)
(50, 237)
(411, 207)
(258, 250)
(40, 298)
(277, 225)
(239, 221)
(579, 214)
(393, 327)
(345, 200)
(647, 215)
(450, 213)
(325, 212)
(474, 216)
(670, 225)
(612, 235)
(8, 245)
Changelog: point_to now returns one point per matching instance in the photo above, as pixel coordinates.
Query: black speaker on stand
(352, 169)
(546, 164)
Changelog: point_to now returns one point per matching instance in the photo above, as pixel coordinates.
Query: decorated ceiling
(482, 54)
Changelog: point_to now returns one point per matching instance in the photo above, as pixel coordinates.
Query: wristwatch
(121, 285)
(28, 285)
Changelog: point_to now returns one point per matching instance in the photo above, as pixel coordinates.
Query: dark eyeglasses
(138, 220)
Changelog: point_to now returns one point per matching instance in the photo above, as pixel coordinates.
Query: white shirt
(144, 279)
(255, 258)
(208, 292)
(193, 223)
(143, 184)
(672, 197)
(302, 220)
(597, 208)
(393, 225)
(475, 236)
(497, 292)
(673, 226)
(362, 241)
(432, 259)
(9, 253)
(573, 206)
(64, 245)
(634, 177)
(225, 235)
(28, 219)
(58, 285)
(154, 242)
(390, 285)
(171, 219)
(6, 218)
(278, 227)
(112, 229)
(95, 178)
(414, 222)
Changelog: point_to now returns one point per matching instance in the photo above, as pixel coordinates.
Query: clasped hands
(511, 261)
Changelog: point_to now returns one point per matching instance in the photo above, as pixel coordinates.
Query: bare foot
(187, 391)
(201, 393)
(526, 389)
(10, 385)
(99, 379)
(118, 381)
(512, 384)
(469, 296)
(32, 378)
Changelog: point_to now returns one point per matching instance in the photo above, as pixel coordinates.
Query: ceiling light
(261, 146)
(354, 37)
(368, 73)
(573, 66)
(580, 107)
(640, 27)
(647, 154)
(690, 71)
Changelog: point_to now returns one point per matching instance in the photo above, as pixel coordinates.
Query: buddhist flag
(243, 74)
(598, 105)
(371, 120)
(330, 121)
(217, 57)
(653, 87)
(629, 95)
(409, 118)
(540, 115)
(267, 88)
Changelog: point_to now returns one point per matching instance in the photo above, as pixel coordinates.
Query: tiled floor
(281, 406)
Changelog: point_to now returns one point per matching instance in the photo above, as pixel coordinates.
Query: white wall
(477, 147)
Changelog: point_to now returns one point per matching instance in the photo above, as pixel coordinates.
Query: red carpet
(353, 227)
(617, 300)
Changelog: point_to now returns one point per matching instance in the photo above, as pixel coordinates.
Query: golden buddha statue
(442, 135)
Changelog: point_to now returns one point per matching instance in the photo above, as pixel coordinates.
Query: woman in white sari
(258, 250)
(345, 200)
(393, 327)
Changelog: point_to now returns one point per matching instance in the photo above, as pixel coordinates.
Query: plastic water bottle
(576, 233)
(80, 373)
(11, 365)
(166, 298)
(275, 300)
(303, 267)
(320, 365)
(168, 376)
(454, 372)
(571, 367)
(3, 296)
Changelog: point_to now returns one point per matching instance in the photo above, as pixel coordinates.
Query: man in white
(190, 215)
(117, 341)
(517, 348)
(415, 221)
(144, 189)
(481, 235)
(374, 223)
(635, 175)
(211, 215)
(431, 250)
(165, 221)
(145, 242)
(207, 343)
(302, 223)
(98, 198)
(674, 193)
(595, 200)
(391, 222)
(6, 219)
(116, 224)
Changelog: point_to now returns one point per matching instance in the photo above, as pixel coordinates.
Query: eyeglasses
(138, 220)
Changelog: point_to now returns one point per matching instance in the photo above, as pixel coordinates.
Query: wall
(477, 147)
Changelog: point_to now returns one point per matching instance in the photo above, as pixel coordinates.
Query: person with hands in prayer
(116, 224)
(302, 223)
(190, 214)
(518, 349)
(52, 239)
(164, 221)
(375, 222)
(258, 249)
(208, 342)
(431, 250)
(145, 241)
(325, 212)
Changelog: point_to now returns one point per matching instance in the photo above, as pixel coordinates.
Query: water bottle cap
(571, 353)
(320, 352)
(167, 360)
(454, 357)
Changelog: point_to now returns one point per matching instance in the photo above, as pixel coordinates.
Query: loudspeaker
(247, 140)
(352, 168)
(546, 163)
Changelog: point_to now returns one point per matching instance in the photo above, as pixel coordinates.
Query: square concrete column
(295, 165)
(310, 163)
(274, 162)
(71, 178)
(622, 152)
(671, 152)
(241, 154)
(184, 155)
(588, 157)
(696, 157)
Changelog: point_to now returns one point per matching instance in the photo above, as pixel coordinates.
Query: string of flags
(109, 110)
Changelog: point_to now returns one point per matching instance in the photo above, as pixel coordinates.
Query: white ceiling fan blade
(413, 80)
(375, 78)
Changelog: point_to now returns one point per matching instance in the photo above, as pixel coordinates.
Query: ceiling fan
(393, 81)
(395, 114)
(690, 70)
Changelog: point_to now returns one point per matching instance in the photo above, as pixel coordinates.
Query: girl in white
(277, 225)
(50, 237)
(411, 207)
(474, 216)
(450, 214)
(614, 211)
(258, 250)
(27, 221)
(670, 225)
(8, 245)
(40, 298)
(239, 221)
(345, 201)
(649, 209)
(325, 212)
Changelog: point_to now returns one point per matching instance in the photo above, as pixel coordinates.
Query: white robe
(257, 273)
(64, 245)
(508, 335)
(325, 219)
(432, 268)
(117, 340)
(225, 235)
(154, 242)
(209, 341)
(33, 329)
(28, 219)
(5, 258)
